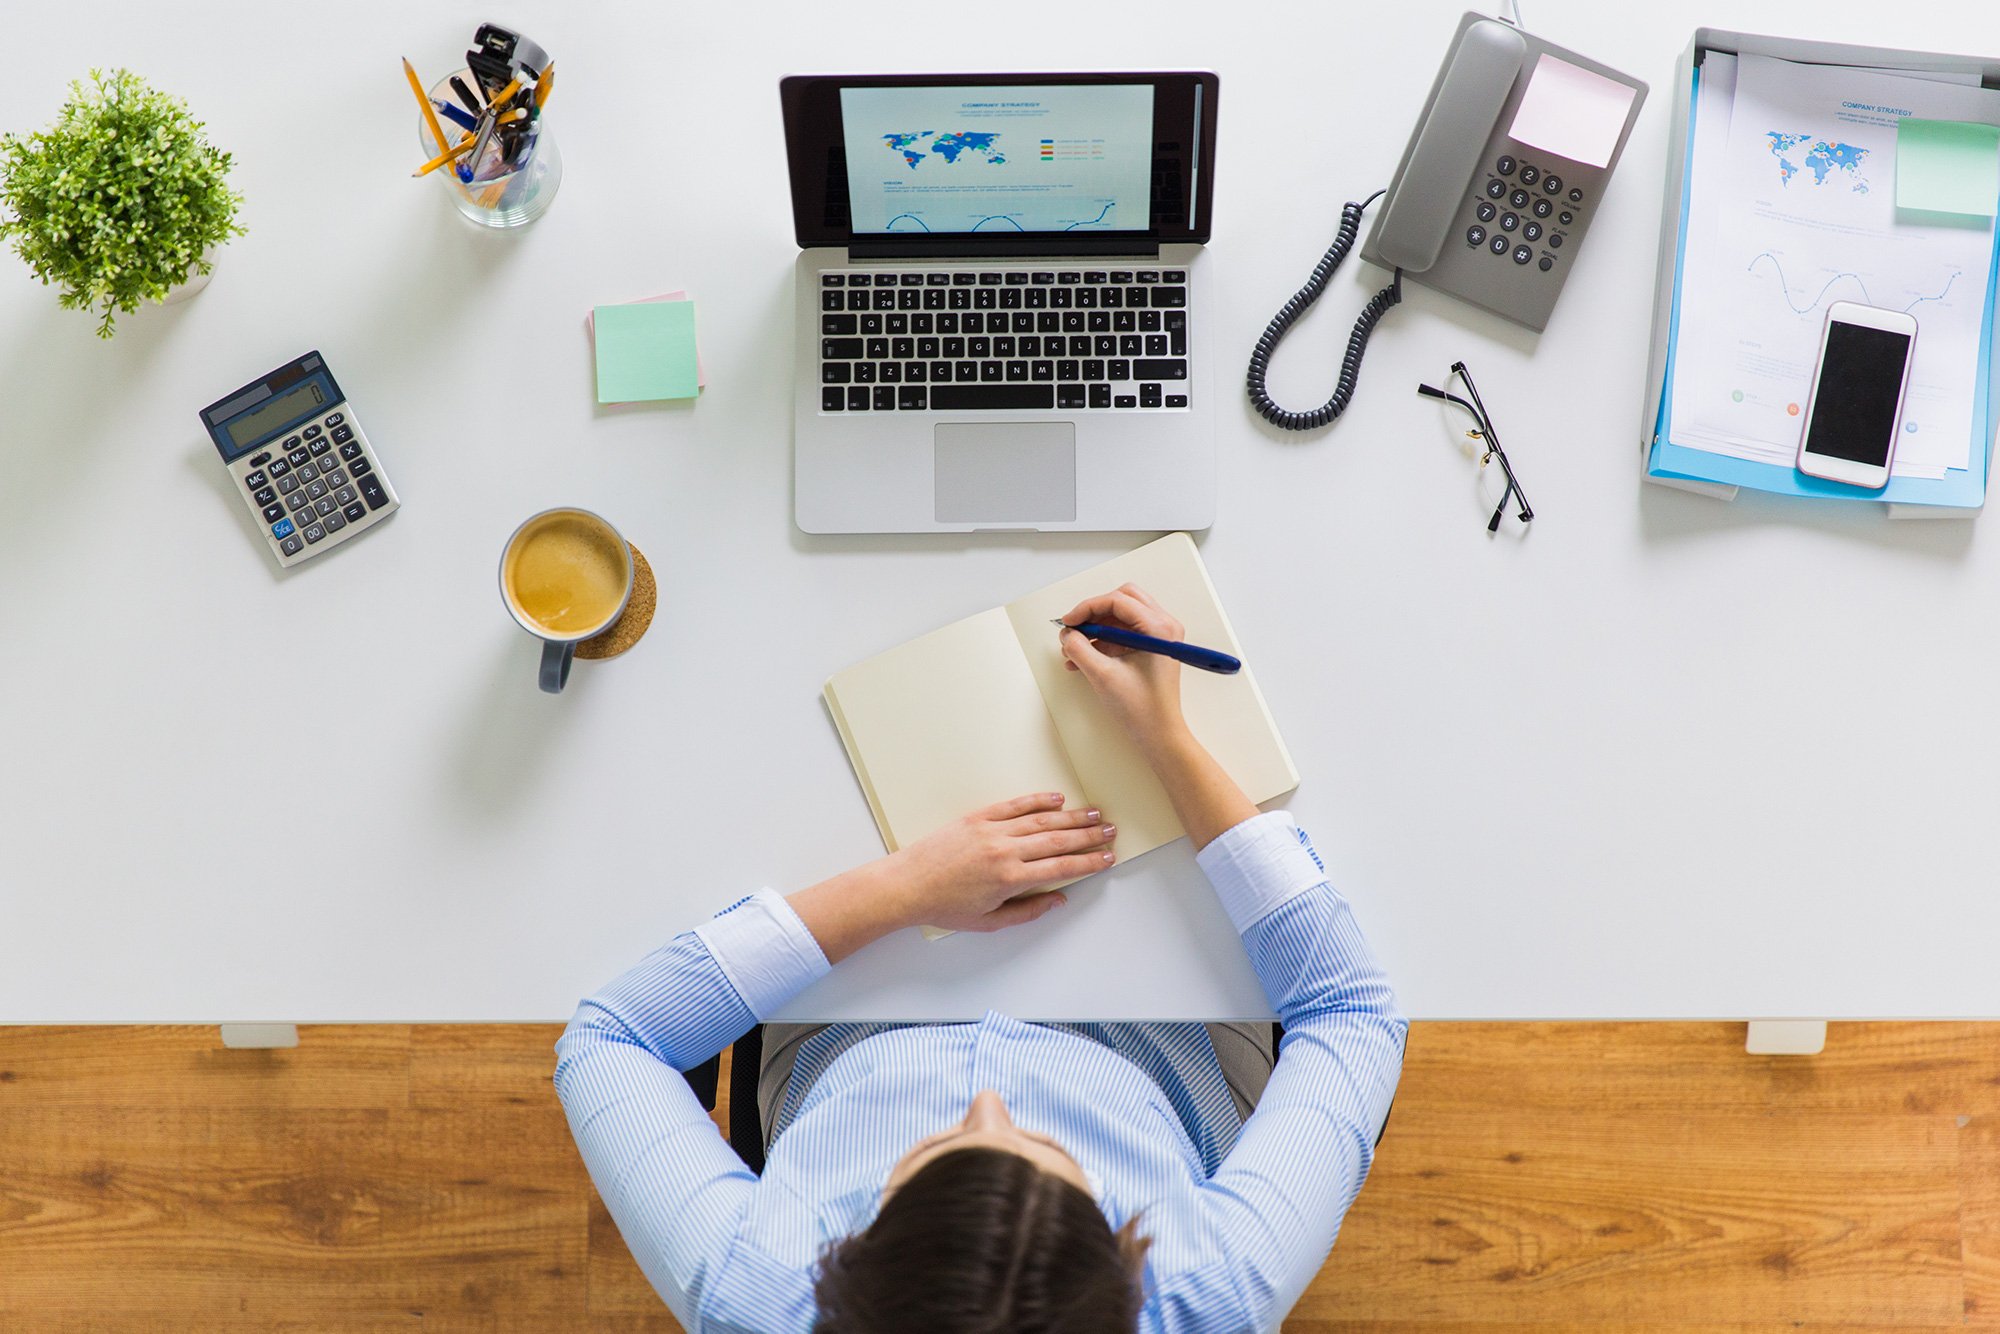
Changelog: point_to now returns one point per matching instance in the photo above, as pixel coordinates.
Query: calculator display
(255, 425)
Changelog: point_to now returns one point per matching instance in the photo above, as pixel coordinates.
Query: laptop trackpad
(1006, 472)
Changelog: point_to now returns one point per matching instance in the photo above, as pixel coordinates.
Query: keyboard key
(319, 446)
(832, 279)
(288, 484)
(1126, 401)
(983, 397)
(1042, 370)
(1131, 345)
(265, 495)
(1175, 319)
(1043, 277)
(910, 398)
(832, 399)
(963, 279)
(374, 492)
(325, 507)
(1060, 298)
(291, 546)
(310, 431)
(332, 476)
(1149, 396)
(1067, 370)
(1176, 400)
(1121, 276)
(1003, 347)
(354, 512)
(358, 468)
(1010, 298)
(907, 299)
(1149, 321)
(835, 372)
(923, 324)
(961, 298)
(1100, 396)
(860, 280)
(1069, 396)
(937, 280)
(1048, 322)
(1177, 343)
(1135, 296)
(878, 348)
(1111, 298)
(871, 323)
(1072, 277)
(1124, 321)
(985, 298)
(333, 523)
(351, 450)
(1073, 322)
(282, 528)
(864, 372)
(273, 513)
(910, 280)
(1086, 298)
(1079, 345)
(298, 458)
(915, 372)
(297, 501)
(885, 398)
(884, 300)
(981, 346)
(890, 372)
(1021, 322)
(832, 301)
(897, 324)
(991, 372)
(1036, 298)
(344, 496)
(1118, 370)
(954, 347)
(1017, 372)
(1149, 275)
(855, 300)
(314, 532)
(1098, 321)
(307, 473)
(315, 489)
(1169, 296)
(933, 298)
(1160, 370)
(1093, 369)
(1093, 275)
(1016, 279)
(940, 371)
(902, 348)
(1174, 276)
(255, 480)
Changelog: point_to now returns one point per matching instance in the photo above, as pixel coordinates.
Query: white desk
(1574, 773)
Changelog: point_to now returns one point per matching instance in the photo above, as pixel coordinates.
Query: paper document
(1792, 207)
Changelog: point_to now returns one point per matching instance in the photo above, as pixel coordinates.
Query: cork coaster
(624, 632)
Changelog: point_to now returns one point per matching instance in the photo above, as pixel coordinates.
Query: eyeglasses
(1486, 435)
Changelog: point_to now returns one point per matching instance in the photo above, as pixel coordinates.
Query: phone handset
(1441, 157)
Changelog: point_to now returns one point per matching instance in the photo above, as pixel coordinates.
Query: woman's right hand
(1142, 690)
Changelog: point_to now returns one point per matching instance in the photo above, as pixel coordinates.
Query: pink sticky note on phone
(590, 327)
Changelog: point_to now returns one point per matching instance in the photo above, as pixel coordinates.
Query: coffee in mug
(565, 575)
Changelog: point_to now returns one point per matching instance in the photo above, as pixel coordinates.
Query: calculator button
(1519, 199)
(291, 546)
(255, 480)
(325, 507)
(342, 434)
(1522, 254)
(334, 419)
(372, 492)
(279, 468)
(1505, 166)
(307, 473)
(316, 489)
(292, 443)
(345, 495)
(288, 484)
(350, 450)
(1553, 185)
(1496, 189)
(1485, 211)
(310, 431)
(297, 501)
(314, 532)
(298, 458)
(273, 513)
(1475, 235)
(1542, 208)
(333, 523)
(360, 468)
(265, 495)
(1509, 221)
(261, 459)
(1529, 175)
(354, 512)
(331, 475)
(282, 528)
(320, 446)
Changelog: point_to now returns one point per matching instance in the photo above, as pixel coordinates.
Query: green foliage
(119, 199)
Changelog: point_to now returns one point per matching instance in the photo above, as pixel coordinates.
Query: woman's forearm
(1205, 797)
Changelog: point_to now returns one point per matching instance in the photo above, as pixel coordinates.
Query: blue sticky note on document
(646, 351)
(1947, 166)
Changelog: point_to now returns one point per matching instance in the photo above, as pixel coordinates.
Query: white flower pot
(181, 291)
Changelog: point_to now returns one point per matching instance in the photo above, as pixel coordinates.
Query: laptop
(1003, 301)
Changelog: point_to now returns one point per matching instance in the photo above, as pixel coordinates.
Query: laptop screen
(992, 162)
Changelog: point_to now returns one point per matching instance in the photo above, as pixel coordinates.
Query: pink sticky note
(590, 327)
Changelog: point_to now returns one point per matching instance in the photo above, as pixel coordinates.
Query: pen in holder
(489, 184)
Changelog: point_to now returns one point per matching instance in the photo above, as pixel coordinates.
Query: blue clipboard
(1958, 489)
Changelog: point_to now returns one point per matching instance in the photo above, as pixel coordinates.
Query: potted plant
(118, 202)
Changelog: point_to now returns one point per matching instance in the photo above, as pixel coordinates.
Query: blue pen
(454, 115)
(1207, 659)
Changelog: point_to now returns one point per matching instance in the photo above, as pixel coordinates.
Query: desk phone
(299, 460)
(1504, 170)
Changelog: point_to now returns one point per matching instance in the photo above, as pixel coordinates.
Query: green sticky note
(645, 351)
(1948, 166)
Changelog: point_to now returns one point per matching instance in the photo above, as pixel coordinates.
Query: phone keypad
(1511, 181)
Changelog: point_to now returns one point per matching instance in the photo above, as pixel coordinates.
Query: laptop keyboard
(955, 340)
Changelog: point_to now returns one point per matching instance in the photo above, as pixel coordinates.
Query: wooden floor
(1535, 1177)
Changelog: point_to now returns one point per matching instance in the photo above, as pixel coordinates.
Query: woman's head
(984, 1227)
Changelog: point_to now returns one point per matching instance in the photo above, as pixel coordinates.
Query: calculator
(299, 459)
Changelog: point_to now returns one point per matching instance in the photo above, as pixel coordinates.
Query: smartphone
(1856, 408)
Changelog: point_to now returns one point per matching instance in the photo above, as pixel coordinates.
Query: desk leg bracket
(1786, 1037)
(238, 1036)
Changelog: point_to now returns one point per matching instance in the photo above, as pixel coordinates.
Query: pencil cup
(503, 191)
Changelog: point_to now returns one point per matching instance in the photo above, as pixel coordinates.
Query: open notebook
(982, 710)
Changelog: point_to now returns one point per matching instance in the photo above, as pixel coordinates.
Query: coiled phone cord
(1357, 341)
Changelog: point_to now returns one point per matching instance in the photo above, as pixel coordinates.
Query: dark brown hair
(981, 1241)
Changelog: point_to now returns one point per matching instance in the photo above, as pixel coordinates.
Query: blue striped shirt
(1238, 1230)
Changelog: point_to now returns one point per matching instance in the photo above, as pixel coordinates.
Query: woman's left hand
(981, 872)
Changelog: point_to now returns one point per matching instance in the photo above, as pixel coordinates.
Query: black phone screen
(1854, 405)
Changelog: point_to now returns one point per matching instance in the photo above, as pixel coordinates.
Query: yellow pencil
(544, 84)
(499, 99)
(424, 101)
(444, 157)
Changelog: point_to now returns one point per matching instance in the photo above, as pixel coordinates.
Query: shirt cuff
(1258, 865)
(764, 950)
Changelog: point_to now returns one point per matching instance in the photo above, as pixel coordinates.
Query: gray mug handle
(556, 659)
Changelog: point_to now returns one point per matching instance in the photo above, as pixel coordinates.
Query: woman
(1000, 1176)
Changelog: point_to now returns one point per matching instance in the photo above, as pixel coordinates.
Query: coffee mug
(566, 575)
